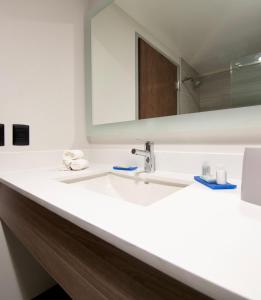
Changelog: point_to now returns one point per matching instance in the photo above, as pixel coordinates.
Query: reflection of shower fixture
(246, 61)
(241, 65)
(196, 82)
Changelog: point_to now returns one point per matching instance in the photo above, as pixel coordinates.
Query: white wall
(41, 84)
(42, 71)
(180, 159)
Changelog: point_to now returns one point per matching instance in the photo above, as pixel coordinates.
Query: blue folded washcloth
(215, 186)
(123, 168)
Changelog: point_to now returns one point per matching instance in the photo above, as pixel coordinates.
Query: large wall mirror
(154, 58)
(164, 64)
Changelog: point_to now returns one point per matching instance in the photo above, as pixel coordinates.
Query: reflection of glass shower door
(246, 81)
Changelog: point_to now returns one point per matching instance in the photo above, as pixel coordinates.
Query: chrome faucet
(148, 153)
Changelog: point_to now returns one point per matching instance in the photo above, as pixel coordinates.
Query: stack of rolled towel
(74, 160)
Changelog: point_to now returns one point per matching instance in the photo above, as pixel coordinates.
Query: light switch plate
(20, 135)
(2, 134)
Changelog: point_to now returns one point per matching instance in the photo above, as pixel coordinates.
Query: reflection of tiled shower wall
(215, 91)
(246, 85)
(189, 95)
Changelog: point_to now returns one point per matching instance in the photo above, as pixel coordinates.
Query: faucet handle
(133, 151)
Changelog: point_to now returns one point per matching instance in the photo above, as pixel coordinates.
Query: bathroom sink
(128, 188)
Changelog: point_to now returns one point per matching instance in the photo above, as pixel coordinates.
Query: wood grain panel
(84, 265)
(157, 83)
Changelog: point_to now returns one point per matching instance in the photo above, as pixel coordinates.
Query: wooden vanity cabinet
(87, 267)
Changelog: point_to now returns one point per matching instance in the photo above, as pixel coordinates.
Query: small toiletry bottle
(221, 175)
(206, 169)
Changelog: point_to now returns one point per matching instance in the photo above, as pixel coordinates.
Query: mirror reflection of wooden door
(157, 83)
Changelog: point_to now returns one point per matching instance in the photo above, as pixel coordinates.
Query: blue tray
(125, 169)
(215, 186)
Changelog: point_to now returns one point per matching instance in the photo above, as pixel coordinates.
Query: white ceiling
(209, 34)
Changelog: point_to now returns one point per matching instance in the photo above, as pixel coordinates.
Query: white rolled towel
(72, 154)
(79, 164)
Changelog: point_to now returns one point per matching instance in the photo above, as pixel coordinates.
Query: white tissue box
(251, 176)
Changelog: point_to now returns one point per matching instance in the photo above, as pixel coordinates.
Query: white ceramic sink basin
(131, 189)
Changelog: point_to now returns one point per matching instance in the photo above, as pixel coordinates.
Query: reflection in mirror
(158, 83)
(155, 58)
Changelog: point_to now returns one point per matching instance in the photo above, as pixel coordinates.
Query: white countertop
(210, 240)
